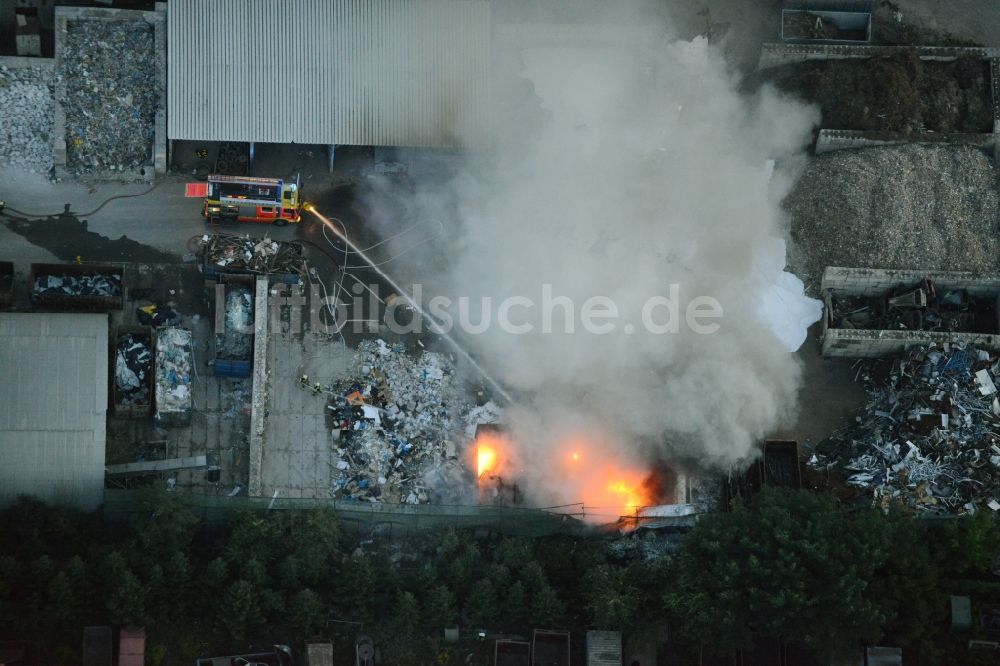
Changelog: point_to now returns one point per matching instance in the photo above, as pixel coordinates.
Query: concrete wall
(855, 343)
(775, 54)
(158, 160)
(831, 140)
(260, 379)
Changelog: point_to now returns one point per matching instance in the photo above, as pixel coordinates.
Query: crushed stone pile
(27, 110)
(109, 71)
(915, 207)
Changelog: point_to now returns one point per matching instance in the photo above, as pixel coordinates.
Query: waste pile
(251, 254)
(897, 93)
(930, 435)
(920, 307)
(904, 207)
(133, 363)
(109, 72)
(235, 343)
(806, 25)
(173, 376)
(98, 284)
(397, 428)
(28, 111)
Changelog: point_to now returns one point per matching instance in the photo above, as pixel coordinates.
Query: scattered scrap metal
(97, 284)
(252, 255)
(397, 427)
(920, 307)
(173, 376)
(930, 435)
(133, 363)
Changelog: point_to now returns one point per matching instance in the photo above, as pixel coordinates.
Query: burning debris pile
(243, 253)
(98, 284)
(920, 307)
(930, 436)
(398, 426)
(133, 363)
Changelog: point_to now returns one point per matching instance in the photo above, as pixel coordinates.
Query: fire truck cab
(249, 199)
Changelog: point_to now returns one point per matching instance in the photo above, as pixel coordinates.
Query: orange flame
(485, 458)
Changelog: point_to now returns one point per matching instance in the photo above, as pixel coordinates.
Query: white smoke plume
(621, 170)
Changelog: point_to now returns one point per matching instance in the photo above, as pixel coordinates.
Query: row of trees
(795, 565)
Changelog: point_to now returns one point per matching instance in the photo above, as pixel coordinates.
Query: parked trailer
(136, 403)
(6, 284)
(88, 287)
(234, 321)
(173, 376)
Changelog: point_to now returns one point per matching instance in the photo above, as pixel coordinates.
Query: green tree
(547, 609)
(305, 613)
(792, 564)
(439, 608)
(124, 593)
(482, 604)
(612, 598)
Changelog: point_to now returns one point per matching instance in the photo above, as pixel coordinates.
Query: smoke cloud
(621, 169)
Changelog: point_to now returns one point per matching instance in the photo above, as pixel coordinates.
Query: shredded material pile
(915, 207)
(930, 435)
(173, 376)
(97, 284)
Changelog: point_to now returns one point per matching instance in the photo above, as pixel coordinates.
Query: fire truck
(248, 199)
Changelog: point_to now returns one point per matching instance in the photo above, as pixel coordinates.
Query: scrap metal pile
(920, 307)
(28, 111)
(244, 253)
(98, 284)
(133, 363)
(395, 427)
(930, 435)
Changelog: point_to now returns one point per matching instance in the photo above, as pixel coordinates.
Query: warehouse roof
(53, 402)
(344, 72)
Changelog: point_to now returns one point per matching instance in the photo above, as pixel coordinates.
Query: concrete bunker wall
(857, 343)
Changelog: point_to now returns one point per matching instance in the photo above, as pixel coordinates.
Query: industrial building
(53, 404)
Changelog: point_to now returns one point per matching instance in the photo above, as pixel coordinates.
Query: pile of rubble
(173, 376)
(930, 434)
(397, 428)
(914, 207)
(27, 110)
(98, 284)
(251, 254)
(133, 363)
(109, 72)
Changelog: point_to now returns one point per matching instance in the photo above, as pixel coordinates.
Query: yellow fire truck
(248, 199)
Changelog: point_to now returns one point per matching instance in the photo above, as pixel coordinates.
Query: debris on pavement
(156, 316)
(897, 207)
(173, 376)
(396, 428)
(254, 255)
(28, 111)
(133, 363)
(930, 435)
(97, 284)
(109, 70)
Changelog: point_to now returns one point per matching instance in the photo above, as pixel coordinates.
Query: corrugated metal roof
(346, 72)
(53, 404)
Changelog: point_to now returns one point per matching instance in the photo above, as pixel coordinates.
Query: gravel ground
(109, 68)
(921, 207)
(26, 110)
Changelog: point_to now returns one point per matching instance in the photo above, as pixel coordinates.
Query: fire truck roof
(249, 180)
